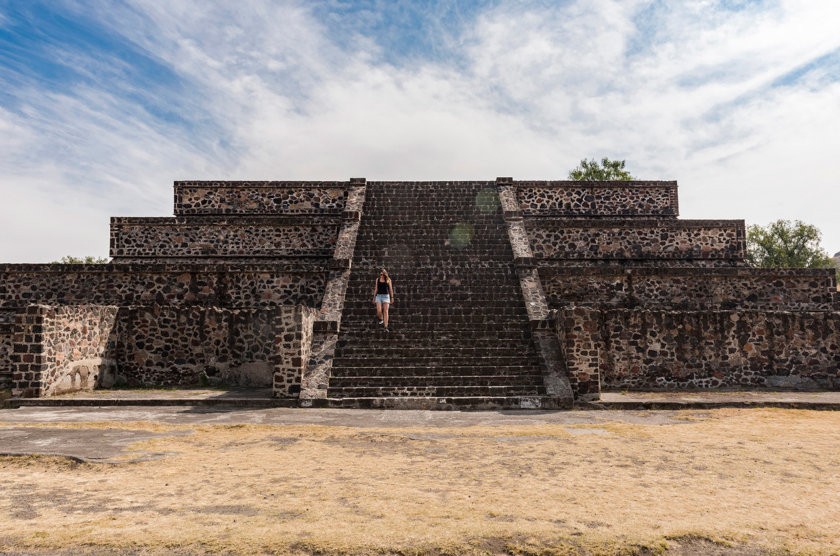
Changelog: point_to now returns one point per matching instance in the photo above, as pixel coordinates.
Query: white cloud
(534, 88)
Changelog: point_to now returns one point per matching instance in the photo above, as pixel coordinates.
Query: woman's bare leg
(385, 312)
(379, 312)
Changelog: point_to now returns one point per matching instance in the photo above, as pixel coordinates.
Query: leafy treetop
(607, 170)
(786, 244)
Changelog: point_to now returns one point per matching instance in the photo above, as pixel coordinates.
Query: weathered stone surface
(6, 348)
(569, 198)
(637, 349)
(229, 285)
(62, 349)
(612, 239)
(221, 237)
(691, 288)
(259, 197)
(292, 348)
(582, 345)
(192, 346)
(316, 375)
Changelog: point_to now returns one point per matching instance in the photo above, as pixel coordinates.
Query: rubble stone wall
(194, 346)
(153, 238)
(293, 343)
(265, 285)
(579, 333)
(6, 348)
(566, 198)
(63, 349)
(692, 289)
(644, 350)
(637, 239)
(207, 197)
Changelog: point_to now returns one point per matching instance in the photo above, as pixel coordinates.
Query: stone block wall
(293, 344)
(691, 288)
(265, 285)
(582, 199)
(6, 348)
(195, 346)
(138, 239)
(62, 349)
(259, 197)
(644, 350)
(582, 347)
(723, 240)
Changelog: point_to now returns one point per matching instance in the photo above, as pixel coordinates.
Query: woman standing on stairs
(383, 296)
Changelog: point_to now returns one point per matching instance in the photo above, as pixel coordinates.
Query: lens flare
(461, 235)
(487, 200)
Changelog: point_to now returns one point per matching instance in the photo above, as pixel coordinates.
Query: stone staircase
(459, 333)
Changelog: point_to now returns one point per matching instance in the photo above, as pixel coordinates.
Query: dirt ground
(728, 481)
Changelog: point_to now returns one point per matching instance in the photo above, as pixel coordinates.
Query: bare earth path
(188, 480)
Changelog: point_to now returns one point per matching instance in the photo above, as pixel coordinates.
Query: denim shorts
(383, 298)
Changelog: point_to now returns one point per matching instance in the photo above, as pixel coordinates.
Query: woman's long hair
(387, 278)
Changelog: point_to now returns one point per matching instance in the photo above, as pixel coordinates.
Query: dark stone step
(426, 307)
(465, 312)
(364, 287)
(437, 381)
(431, 335)
(500, 322)
(451, 403)
(447, 278)
(493, 230)
(436, 298)
(434, 391)
(397, 368)
(410, 350)
(501, 296)
(419, 327)
(444, 277)
(445, 255)
(478, 269)
(396, 324)
(522, 371)
(431, 360)
(430, 244)
(386, 341)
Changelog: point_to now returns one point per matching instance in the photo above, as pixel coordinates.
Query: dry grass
(751, 480)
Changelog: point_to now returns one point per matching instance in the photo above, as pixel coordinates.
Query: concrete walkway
(111, 445)
(261, 398)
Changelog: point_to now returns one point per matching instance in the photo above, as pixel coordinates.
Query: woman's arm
(391, 289)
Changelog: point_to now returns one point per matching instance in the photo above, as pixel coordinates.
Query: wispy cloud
(736, 100)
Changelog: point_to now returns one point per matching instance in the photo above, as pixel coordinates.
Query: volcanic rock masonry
(509, 294)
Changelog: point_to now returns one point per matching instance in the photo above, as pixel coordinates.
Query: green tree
(69, 259)
(786, 244)
(606, 170)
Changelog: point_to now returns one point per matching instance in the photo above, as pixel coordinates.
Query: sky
(104, 103)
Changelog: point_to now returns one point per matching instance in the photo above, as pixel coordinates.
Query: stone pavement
(110, 445)
(261, 398)
(95, 444)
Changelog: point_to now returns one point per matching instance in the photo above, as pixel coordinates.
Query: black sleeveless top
(382, 288)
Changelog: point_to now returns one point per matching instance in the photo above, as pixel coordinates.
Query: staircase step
(444, 403)
(435, 391)
(475, 370)
(378, 381)
(386, 341)
(431, 361)
(411, 350)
